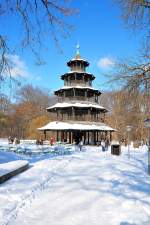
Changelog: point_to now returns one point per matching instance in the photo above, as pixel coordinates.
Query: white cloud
(38, 78)
(106, 63)
(18, 67)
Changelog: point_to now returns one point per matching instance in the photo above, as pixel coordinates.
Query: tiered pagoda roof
(76, 105)
(59, 125)
(83, 73)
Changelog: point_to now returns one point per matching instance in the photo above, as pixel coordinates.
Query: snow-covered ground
(90, 187)
(6, 168)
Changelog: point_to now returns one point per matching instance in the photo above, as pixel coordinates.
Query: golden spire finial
(78, 51)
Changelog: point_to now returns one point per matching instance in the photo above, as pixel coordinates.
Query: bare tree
(28, 111)
(132, 75)
(127, 108)
(136, 13)
(135, 73)
(39, 19)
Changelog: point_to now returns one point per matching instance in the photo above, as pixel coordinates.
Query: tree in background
(36, 20)
(35, 123)
(5, 109)
(126, 111)
(28, 113)
(135, 13)
(130, 105)
(135, 73)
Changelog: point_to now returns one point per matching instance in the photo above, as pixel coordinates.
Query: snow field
(19, 192)
(92, 188)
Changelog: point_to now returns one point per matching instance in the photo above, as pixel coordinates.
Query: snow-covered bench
(10, 169)
(27, 141)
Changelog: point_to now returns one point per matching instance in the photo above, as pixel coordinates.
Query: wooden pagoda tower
(78, 114)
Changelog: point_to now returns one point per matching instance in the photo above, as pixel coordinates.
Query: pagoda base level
(74, 137)
(72, 132)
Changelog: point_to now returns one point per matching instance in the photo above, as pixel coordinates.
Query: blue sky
(102, 36)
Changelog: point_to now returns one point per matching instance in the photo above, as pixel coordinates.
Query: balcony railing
(78, 83)
(78, 118)
(80, 98)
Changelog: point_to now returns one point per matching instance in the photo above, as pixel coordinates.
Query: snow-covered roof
(75, 104)
(57, 125)
(79, 87)
(75, 71)
(78, 59)
(78, 72)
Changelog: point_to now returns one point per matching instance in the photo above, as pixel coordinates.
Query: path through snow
(92, 188)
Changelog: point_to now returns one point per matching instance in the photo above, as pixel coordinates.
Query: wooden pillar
(73, 112)
(105, 134)
(94, 116)
(84, 136)
(57, 135)
(110, 136)
(44, 134)
(69, 137)
(75, 78)
(73, 92)
(62, 136)
(65, 135)
(64, 93)
(88, 114)
(94, 137)
(86, 94)
(88, 137)
(82, 79)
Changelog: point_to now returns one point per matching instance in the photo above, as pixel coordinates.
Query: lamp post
(128, 129)
(147, 125)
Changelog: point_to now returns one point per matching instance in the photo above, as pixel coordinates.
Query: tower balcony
(78, 83)
(84, 117)
(77, 75)
(78, 98)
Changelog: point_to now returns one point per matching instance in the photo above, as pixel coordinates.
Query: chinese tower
(78, 113)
